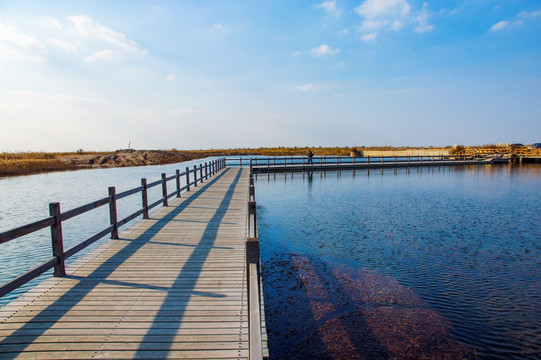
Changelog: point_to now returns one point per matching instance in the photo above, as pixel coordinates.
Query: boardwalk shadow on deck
(10, 349)
(193, 263)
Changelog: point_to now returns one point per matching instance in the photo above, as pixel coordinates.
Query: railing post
(252, 212)
(195, 175)
(164, 189)
(187, 178)
(368, 159)
(145, 198)
(206, 172)
(200, 172)
(57, 240)
(252, 191)
(178, 183)
(113, 212)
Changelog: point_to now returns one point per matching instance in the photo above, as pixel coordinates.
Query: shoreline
(15, 164)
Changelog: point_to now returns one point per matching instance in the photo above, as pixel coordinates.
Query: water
(434, 261)
(447, 258)
(25, 199)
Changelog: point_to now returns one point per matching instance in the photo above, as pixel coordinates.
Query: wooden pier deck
(172, 286)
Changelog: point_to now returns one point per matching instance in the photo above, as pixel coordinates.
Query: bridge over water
(173, 285)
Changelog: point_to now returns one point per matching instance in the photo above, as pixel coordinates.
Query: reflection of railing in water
(253, 264)
(54, 221)
(302, 163)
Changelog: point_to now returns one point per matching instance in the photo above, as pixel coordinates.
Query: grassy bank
(24, 163)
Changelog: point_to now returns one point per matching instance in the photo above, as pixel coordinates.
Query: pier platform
(171, 286)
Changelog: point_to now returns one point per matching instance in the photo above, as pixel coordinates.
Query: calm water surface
(24, 199)
(462, 244)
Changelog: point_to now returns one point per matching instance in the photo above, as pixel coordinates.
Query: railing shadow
(10, 349)
(311, 316)
(291, 328)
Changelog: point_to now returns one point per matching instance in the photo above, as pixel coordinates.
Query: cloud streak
(16, 45)
(103, 55)
(330, 8)
(87, 27)
(324, 50)
(390, 15)
(516, 21)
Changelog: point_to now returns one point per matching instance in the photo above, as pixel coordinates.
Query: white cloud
(330, 8)
(499, 25)
(170, 77)
(221, 28)
(381, 15)
(369, 37)
(530, 14)
(87, 27)
(310, 87)
(64, 45)
(307, 87)
(372, 9)
(103, 55)
(422, 21)
(323, 50)
(516, 21)
(52, 22)
(20, 46)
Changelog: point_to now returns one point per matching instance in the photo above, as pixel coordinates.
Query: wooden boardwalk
(172, 286)
(270, 168)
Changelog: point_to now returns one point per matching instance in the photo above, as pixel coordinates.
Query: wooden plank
(150, 355)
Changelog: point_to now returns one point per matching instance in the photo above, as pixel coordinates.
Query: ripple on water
(465, 240)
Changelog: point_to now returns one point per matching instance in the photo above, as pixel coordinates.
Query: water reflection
(464, 239)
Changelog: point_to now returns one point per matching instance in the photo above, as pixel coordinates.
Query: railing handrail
(253, 278)
(321, 160)
(55, 220)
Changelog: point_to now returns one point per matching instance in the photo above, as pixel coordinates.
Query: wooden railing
(253, 268)
(284, 161)
(56, 218)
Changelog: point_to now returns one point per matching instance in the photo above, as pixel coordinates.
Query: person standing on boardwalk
(310, 156)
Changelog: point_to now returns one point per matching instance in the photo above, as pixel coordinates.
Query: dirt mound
(124, 158)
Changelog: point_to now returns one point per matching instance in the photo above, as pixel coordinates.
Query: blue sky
(99, 75)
